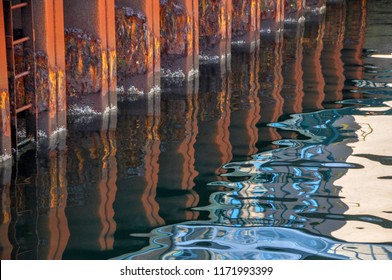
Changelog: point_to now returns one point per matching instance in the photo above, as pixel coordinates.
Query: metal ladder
(20, 41)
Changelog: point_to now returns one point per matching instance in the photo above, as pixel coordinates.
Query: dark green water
(285, 154)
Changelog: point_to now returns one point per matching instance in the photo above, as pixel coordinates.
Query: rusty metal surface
(20, 38)
(133, 43)
(90, 54)
(246, 16)
(50, 65)
(176, 28)
(215, 20)
(5, 114)
(138, 45)
(179, 40)
(83, 57)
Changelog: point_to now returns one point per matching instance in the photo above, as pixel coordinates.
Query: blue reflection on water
(199, 241)
(283, 203)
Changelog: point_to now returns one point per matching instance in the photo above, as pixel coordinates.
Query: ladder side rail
(28, 28)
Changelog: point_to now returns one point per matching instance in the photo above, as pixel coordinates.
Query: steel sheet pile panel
(50, 65)
(215, 21)
(138, 45)
(5, 124)
(246, 22)
(90, 53)
(179, 39)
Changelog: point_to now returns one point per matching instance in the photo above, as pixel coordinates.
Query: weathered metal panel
(90, 53)
(5, 117)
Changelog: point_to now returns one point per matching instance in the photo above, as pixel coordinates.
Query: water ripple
(199, 241)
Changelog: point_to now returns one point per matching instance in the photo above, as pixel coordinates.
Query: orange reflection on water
(148, 169)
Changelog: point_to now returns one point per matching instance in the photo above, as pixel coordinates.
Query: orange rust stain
(61, 91)
(176, 30)
(50, 87)
(79, 156)
(93, 75)
(157, 53)
(245, 16)
(83, 63)
(255, 16)
(136, 45)
(105, 69)
(80, 66)
(210, 18)
(203, 6)
(112, 61)
(4, 100)
(6, 216)
(52, 93)
(215, 27)
(5, 117)
(223, 22)
(190, 36)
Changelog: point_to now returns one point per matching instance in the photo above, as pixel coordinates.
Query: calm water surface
(284, 153)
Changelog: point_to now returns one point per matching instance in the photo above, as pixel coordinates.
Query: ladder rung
(20, 75)
(24, 108)
(20, 41)
(24, 142)
(18, 6)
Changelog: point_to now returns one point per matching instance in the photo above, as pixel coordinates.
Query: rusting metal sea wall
(276, 81)
(90, 53)
(179, 38)
(50, 65)
(215, 19)
(5, 121)
(138, 45)
(246, 22)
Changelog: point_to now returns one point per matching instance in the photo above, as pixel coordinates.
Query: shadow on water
(283, 155)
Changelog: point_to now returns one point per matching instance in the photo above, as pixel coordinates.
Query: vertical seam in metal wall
(153, 40)
(107, 53)
(193, 33)
(55, 60)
